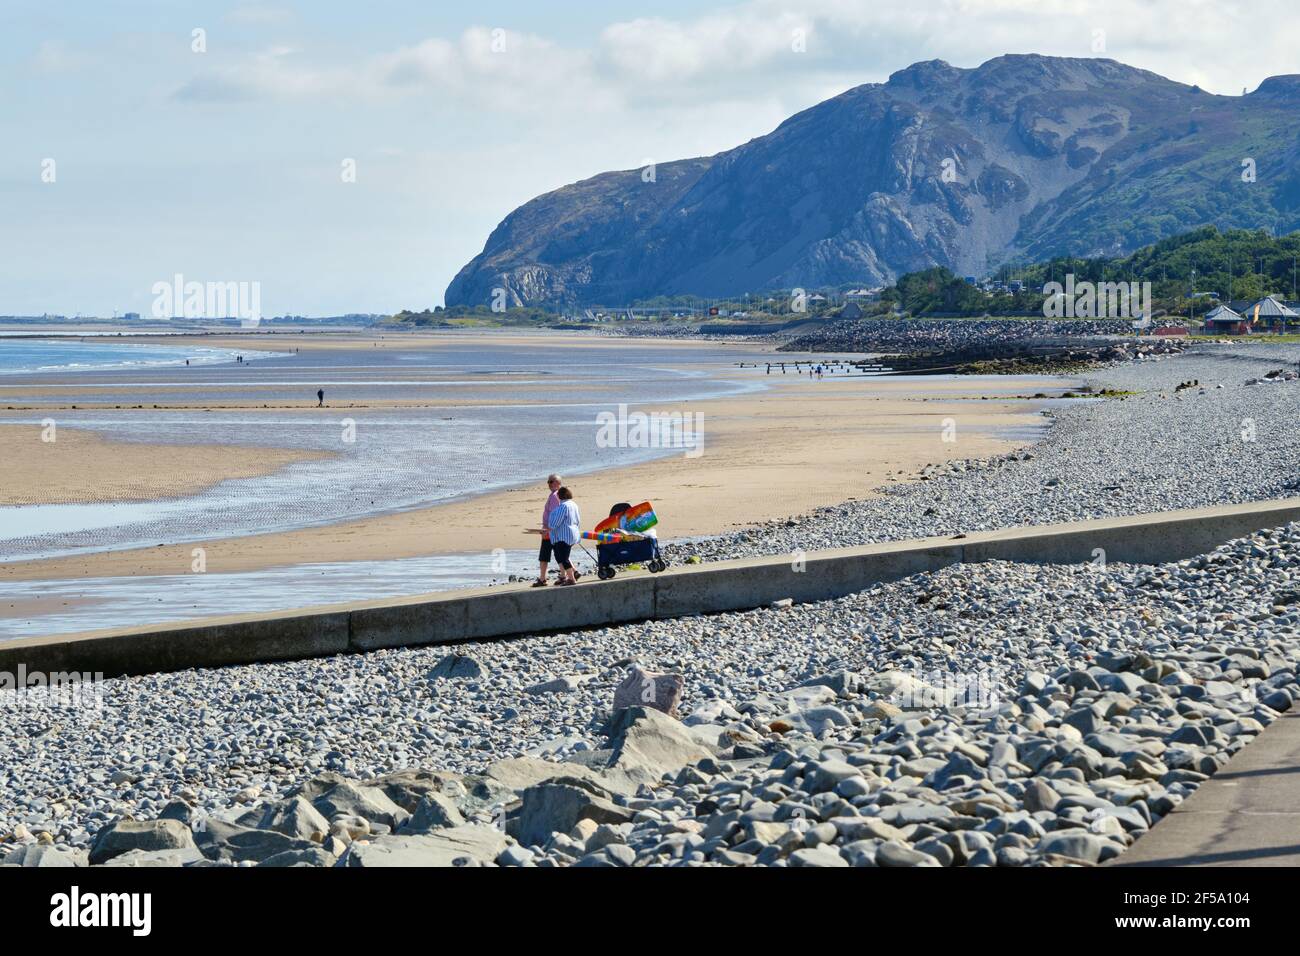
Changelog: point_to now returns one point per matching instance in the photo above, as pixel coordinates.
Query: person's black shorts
(545, 553)
(562, 553)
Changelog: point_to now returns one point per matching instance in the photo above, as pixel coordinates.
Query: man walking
(320, 398)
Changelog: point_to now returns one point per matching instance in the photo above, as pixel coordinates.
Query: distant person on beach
(320, 398)
(544, 554)
(565, 527)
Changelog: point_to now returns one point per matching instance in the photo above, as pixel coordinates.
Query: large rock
(122, 836)
(519, 773)
(44, 855)
(235, 843)
(1077, 845)
(457, 846)
(551, 807)
(646, 743)
(468, 792)
(296, 818)
(369, 803)
(433, 812)
(642, 688)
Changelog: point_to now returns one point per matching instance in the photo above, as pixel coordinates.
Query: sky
(352, 157)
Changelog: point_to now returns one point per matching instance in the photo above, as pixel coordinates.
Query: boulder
(122, 836)
(517, 774)
(557, 808)
(642, 688)
(1076, 845)
(235, 843)
(471, 845)
(296, 818)
(468, 792)
(647, 744)
(370, 803)
(433, 812)
(44, 855)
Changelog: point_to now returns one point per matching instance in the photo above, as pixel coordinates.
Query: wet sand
(82, 467)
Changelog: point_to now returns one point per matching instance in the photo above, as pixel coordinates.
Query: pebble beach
(992, 714)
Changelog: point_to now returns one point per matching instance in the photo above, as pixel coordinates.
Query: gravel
(1159, 449)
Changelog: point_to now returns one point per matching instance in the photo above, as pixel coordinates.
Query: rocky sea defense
(989, 714)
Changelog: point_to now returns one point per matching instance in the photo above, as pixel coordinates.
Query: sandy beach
(780, 453)
(80, 466)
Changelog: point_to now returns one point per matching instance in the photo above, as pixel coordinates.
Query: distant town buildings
(1240, 318)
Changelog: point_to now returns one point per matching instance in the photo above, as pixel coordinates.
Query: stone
(828, 774)
(881, 710)
(122, 836)
(559, 685)
(642, 688)
(316, 856)
(433, 812)
(901, 814)
(646, 743)
(159, 859)
(369, 803)
(1075, 844)
(516, 774)
(516, 855)
(1201, 735)
(551, 808)
(296, 818)
(819, 856)
(1040, 796)
(456, 667)
(470, 845)
(900, 855)
(621, 854)
(1086, 720)
(230, 841)
(45, 856)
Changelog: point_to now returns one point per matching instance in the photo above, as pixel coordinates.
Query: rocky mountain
(1023, 157)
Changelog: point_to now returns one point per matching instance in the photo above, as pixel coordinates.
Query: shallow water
(94, 603)
(28, 355)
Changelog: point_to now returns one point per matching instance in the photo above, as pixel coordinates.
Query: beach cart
(621, 540)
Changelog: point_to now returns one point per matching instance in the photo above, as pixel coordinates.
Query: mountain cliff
(1023, 157)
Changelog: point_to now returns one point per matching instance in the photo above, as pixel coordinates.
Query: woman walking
(565, 527)
(544, 553)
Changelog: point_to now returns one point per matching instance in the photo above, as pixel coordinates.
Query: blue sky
(226, 164)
